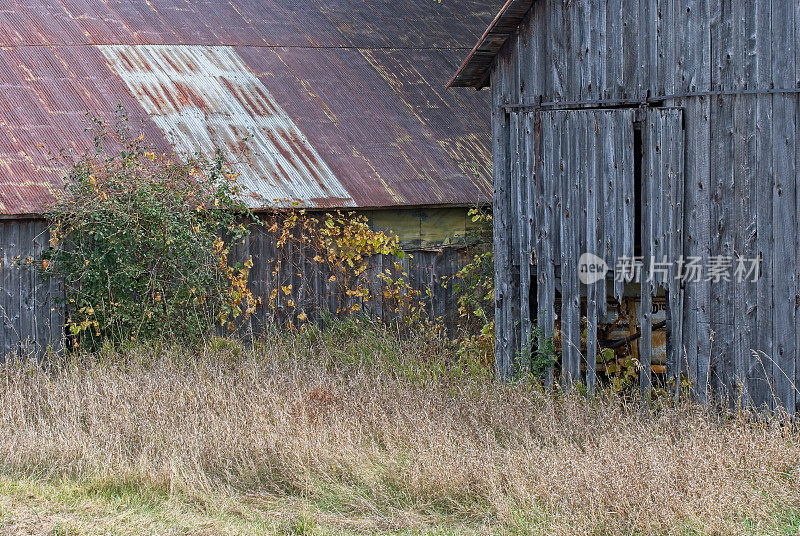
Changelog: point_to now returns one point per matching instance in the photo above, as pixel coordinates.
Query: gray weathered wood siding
(31, 316)
(429, 271)
(32, 311)
(739, 162)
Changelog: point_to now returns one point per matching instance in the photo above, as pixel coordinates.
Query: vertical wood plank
(784, 209)
(526, 216)
(5, 284)
(607, 176)
(721, 230)
(630, 49)
(592, 186)
(11, 288)
(41, 327)
(548, 212)
(560, 85)
(675, 207)
(27, 295)
(697, 336)
(570, 297)
(504, 328)
(650, 186)
(796, 36)
(626, 199)
(596, 29)
(745, 112)
(760, 373)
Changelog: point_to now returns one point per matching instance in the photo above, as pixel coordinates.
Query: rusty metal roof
(342, 103)
(475, 70)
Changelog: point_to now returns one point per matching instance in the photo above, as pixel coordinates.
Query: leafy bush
(137, 240)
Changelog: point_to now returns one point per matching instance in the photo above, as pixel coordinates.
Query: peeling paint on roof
(204, 98)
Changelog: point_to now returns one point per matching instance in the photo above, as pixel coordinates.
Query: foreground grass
(34, 506)
(353, 431)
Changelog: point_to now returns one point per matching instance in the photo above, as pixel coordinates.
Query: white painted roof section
(205, 98)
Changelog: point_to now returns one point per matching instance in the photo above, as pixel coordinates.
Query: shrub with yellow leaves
(135, 238)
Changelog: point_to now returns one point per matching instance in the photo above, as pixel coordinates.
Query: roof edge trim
(475, 70)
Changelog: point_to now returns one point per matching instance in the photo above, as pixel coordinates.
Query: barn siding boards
(41, 289)
(29, 301)
(516, 187)
(32, 319)
(746, 178)
(700, 192)
(9, 293)
(570, 131)
(27, 290)
(593, 192)
(740, 191)
(663, 232)
(722, 188)
(547, 212)
(572, 193)
(429, 271)
(674, 166)
(759, 376)
(526, 222)
(504, 322)
(796, 35)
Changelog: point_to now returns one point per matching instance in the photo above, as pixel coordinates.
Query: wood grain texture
(505, 344)
(31, 320)
(784, 209)
(728, 178)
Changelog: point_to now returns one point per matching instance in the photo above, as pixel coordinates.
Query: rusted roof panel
(342, 102)
(43, 118)
(409, 141)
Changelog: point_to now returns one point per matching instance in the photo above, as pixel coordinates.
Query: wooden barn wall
(312, 291)
(739, 341)
(32, 317)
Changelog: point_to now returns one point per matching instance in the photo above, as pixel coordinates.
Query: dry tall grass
(387, 432)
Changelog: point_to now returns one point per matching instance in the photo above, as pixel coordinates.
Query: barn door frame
(554, 228)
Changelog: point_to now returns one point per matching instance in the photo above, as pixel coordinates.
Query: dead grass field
(353, 431)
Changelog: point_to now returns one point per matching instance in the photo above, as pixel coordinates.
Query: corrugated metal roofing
(343, 102)
(203, 98)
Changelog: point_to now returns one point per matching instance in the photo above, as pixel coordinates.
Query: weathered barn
(333, 105)
(662, 137)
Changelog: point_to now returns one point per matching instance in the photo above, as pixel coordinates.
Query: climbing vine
(362, 270)
(474, 286)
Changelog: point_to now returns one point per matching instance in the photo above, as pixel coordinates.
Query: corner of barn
(666, 133)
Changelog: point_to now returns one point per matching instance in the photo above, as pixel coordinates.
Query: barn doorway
(608, 186)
